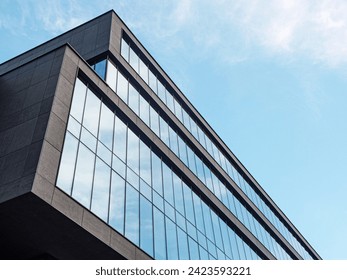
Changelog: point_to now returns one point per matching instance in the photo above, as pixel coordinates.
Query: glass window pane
(117, 199)
(248, 252)
(157, 174)
(152, 82)
(74, 127)
(82, 186)
(193, 249)
(88, 139)
(164, 131)
(203, 254)
(120, 139)
(209, 145)
(194, 129)
(215, 153)
(220, 255)
(145, 163)
(132, 214)
(118, 166)
(212, 249)
(178, 110)
(232, 206)
(223, 193)
(173, 141)
(158, 201)
(208, 222)
(145, 190)
(100, 68)
(133, 151)
(67, 165)
(234, 245)
(225, 163)
(216, 230)
(216, 189)
(202, 240)
(133, 99)
(191, 160)
(111, 75)
(182, 244)
(201, 137)
(159, 235)
(133, 179)
(146, 226)
(77, 104)
(171, 240)
(169, 211)
(167, 181)
(186, 120)
(188, 203)
(122, 87)
(226, 241)
(125, 50)
(106, 126)
(104, 153)
(101, 190)
(200, 169)
(91, 113)
(208, 175)
(183, 151)
(170, 101)
(134, 60)
(154, 121)
(198, 213)
(240, 243)
(177, 186)
(144, 71)
(191, 230)
(161, 92)
(144, 110)
(181, 221)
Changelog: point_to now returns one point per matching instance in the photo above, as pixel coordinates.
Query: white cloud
(295, 28)
(59, 16)
(54, 16)
(235, 30)
(305, 27)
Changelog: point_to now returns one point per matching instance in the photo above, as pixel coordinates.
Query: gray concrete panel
(95, 226)
(43, 188)
(55, 132)
(49, 162)
(66, 205)
(119, 244)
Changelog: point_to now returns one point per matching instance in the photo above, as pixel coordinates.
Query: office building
(103, 157)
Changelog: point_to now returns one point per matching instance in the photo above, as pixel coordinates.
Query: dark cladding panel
(24, 116)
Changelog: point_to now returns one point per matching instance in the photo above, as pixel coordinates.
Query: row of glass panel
(143, 109)
(109, 170)
(147, 75)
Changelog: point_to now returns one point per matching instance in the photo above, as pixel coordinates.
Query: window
(67, 166)
(132, 214)
(101, 190)
(82, 187)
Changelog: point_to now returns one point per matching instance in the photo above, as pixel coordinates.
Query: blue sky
(269, 76)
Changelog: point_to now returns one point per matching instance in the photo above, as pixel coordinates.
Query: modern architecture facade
(103, 157)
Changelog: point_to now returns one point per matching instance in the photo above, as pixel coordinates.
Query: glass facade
(165, 94)
(107, 168)
(186, 154)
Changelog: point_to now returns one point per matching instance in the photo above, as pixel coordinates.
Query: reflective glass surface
(227, 165)
(135, 192)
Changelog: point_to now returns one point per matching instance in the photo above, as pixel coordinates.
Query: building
(103, 157)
